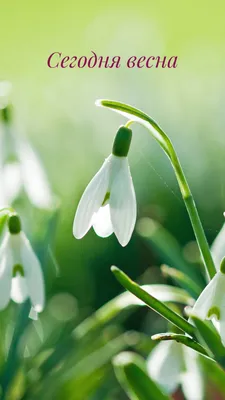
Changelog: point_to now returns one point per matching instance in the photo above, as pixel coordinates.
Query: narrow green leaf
(131, 373)
(186, 340)
(210, 337)
(182, 280)
(152, 302)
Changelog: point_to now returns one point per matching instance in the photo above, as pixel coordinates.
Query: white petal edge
(33, 274)
(91, 200)
(122, 201)
(102, 222)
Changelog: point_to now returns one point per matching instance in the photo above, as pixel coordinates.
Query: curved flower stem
(153, 303)
(166, 144)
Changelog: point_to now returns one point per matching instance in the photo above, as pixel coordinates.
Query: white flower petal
(34, 178)
(218, 247)
(207, 298)
(122, 201)
(102, 222)
(165, 364)
(33, 275)
(12, 180)
(19, 291)
(192, 379)
(91, 200)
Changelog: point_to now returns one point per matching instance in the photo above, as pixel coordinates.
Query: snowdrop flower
(211, 302)
(109, 203)
(171, 364)
(20, 270)
(21, 169)
(26, 173)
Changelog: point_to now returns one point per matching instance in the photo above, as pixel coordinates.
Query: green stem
(187, 341)
(152, 302)
(164, 141)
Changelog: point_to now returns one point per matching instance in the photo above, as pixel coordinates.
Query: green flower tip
(18, 270)
(222, 266)
(214, 312)
(122, 142)
(7, 114)
(14, 224)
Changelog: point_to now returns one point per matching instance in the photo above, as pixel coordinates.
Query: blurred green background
(56, 109)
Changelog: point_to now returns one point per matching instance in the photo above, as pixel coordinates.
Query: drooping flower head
(21, 170)
(20, 270)
(211, 302)
(108, 202)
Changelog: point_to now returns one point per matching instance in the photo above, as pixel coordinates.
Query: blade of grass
(153, 303)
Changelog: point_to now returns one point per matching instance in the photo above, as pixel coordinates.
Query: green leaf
(215, 374)
(186, 340)
(182, 280)
(152, 302)
(131, 373)
(211, 338)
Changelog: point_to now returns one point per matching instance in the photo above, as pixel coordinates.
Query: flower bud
(14, 224)
(122, 142)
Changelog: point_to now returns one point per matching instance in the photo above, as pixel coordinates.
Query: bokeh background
(56, 110)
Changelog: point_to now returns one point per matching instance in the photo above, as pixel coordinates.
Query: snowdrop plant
(175, 362)
(21, 274)
(108, 202)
